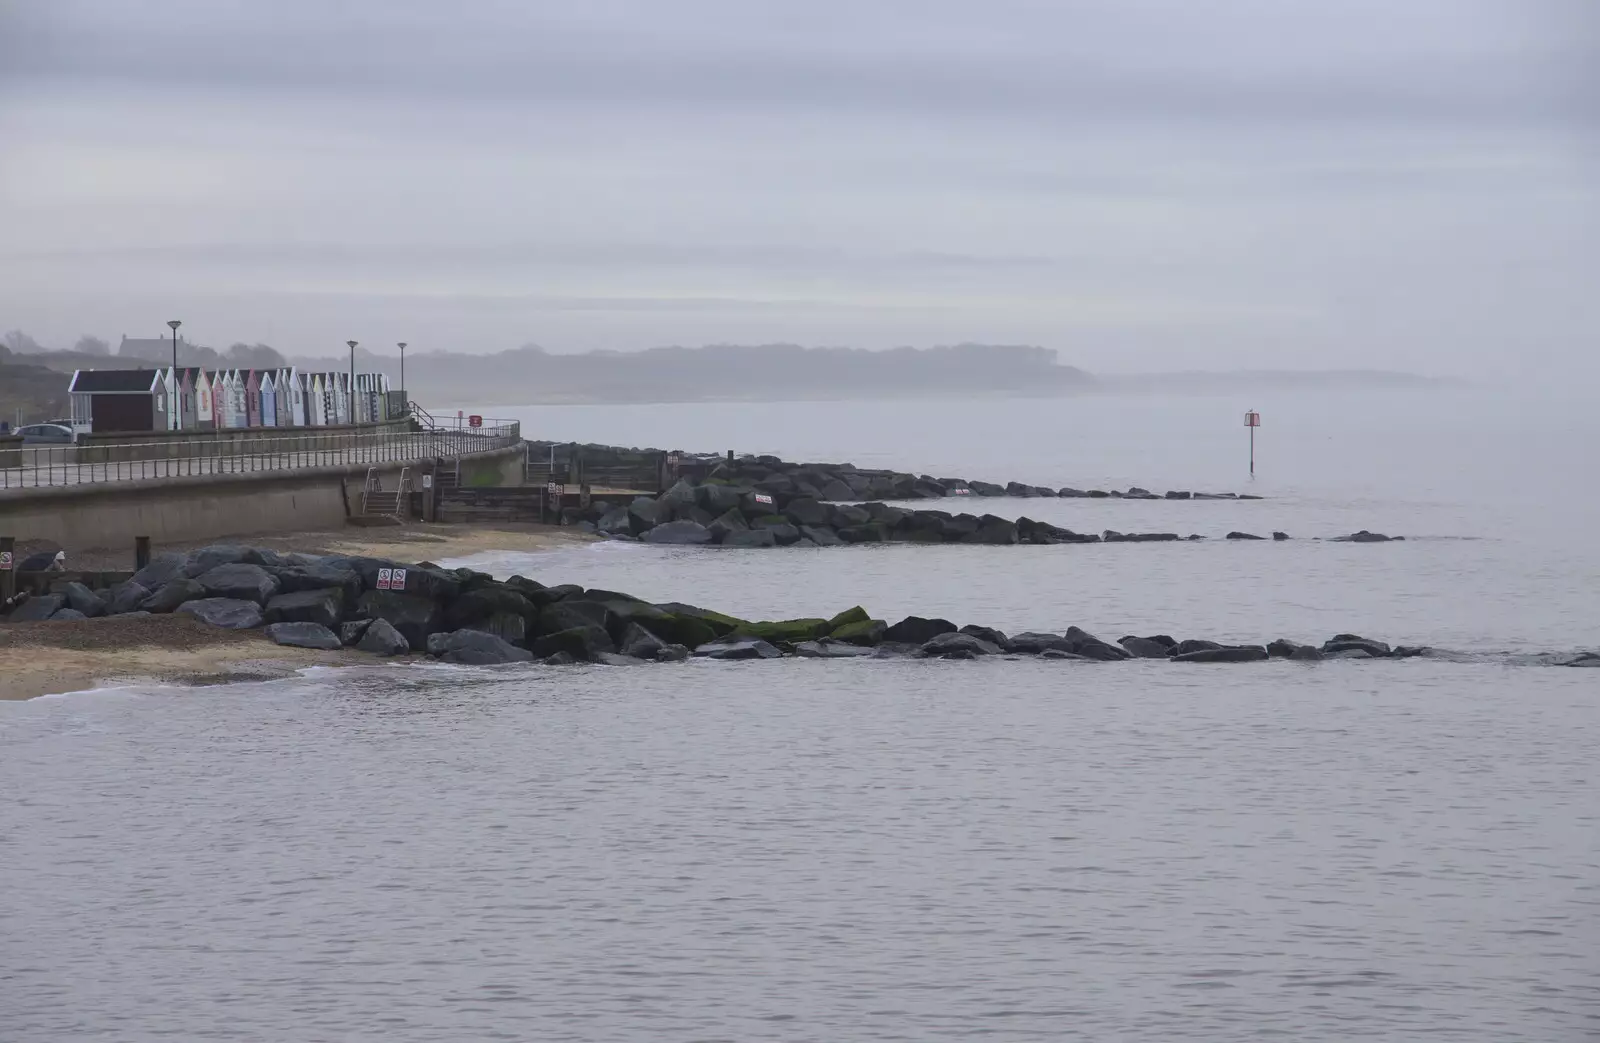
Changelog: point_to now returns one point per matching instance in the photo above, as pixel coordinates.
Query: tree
(89, 345)
(22, 344)
(254, 356)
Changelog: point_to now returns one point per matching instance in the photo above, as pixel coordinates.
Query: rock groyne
(389, 608)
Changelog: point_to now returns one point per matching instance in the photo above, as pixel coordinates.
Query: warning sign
(385, 578)
(398, 580)
(763, 498)
(5, 561)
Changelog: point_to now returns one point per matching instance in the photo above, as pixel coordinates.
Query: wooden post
(8, 566)
(430, 494)
(141, 552)
(730, 456)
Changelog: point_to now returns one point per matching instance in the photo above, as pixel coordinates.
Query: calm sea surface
(835, 851)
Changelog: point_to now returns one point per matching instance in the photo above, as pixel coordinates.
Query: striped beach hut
(269, 400)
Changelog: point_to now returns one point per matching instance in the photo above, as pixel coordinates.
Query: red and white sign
(1252, 420)
(5, 561)
(763, 498)
(385, 579)
(474, 420)
(398, 580)
(960, 492)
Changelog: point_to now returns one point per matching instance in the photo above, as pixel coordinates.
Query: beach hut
(297, 399)
(320, 401)
(269, 400)
(204, 419)
(118, 400)
(219, 401)
(236, 411)
(252, 398)
(283, 380)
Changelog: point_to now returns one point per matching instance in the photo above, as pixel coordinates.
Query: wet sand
(412, 542)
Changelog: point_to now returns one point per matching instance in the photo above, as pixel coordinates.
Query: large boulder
(207, 558)
(37, 609)
(414, 617)
(381, 638)
(421, 580)
(830, 648)
(727, 522)
(848, 515)
(679, 499)
(678, 533)
(293, 578)
(856, 614)
(721, 624)
(1145, 648)
(1086, 644)
(989, 634)
(475, 648)
(750, 538)
(1194, 645)
(583, 643)
(616, 522)
(821, 536)
(957, 645)
(1232, 654)
(126, 597)
(872, 532)
(646, 513)
(161, 570)
(719, 499)
(241, 582)
(1345, 642)
(507, 626)
(785, 631)
(575, 612)
(322, 607)
(1366, 537)
(835, 490)
(1244, 536)
(783, 533)
(350, 630)
(228, 613)
(174, 593)
(995, 531)
(64, 615)
(639, 642)
(81, 599)
(483, 602)
(302, 635)
(803, 510)
(738, 648)
(916, 630)
(1034, 643)
(868, 633)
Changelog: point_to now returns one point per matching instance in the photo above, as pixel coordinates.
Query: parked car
(45, 434)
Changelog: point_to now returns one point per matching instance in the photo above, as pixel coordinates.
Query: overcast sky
(1141, 184)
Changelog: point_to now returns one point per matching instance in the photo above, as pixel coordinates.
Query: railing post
(8, 566)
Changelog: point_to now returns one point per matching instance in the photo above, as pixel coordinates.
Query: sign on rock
(5, 561)
(385, 578)
(398, 580)
(763, 498)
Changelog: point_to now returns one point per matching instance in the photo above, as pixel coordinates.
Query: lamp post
(403, 370)
(175, 410)
(351, 397)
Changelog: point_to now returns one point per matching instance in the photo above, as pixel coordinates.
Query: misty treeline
(91, 351)
(679, 374)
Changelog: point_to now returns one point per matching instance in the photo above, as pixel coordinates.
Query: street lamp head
(352, 344)
(174, 323)
(402, 345)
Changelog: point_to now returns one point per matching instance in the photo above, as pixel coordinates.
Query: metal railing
(28, 467)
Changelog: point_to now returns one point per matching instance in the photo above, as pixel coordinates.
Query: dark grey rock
(560, 659)
(228, 613)
(507, 626)
(678, 533)
(617, 659)
(679, 499)
(835, 490)
(917, 630)
(350, 632)
(671, 654)
(313, 576)
(784, 534)
(1033, 643)
(1194, 645)
(207, 558)
(241, 582)
(174, 593)
(728, 521)
(580, 642)
(1056, 653)
(1283, 648)
(803, 511)
(1343, 642)
(66, 615)
(483, 603)
(1351, 653)
(750, 538)
(1280, 536)
(1174, 495)
(81, 599)
(1235, 654)
(617, 521)
(302, 635)
(125, 598)
(1086, 644)
(1244, 536)
(821, 535)
(1365, 537)
(161, 570)
(1144, 648)
(989, 634)
(476, 648)
(738, 648)
(639, 642)
(848, 515)
(948, 646)
(322, 607)
(381, 638)
(995, 531)
(414, 617)
(719, 499)
(575, 612)
(830, 648)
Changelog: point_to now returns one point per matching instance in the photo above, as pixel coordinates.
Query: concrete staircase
(380, 506)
